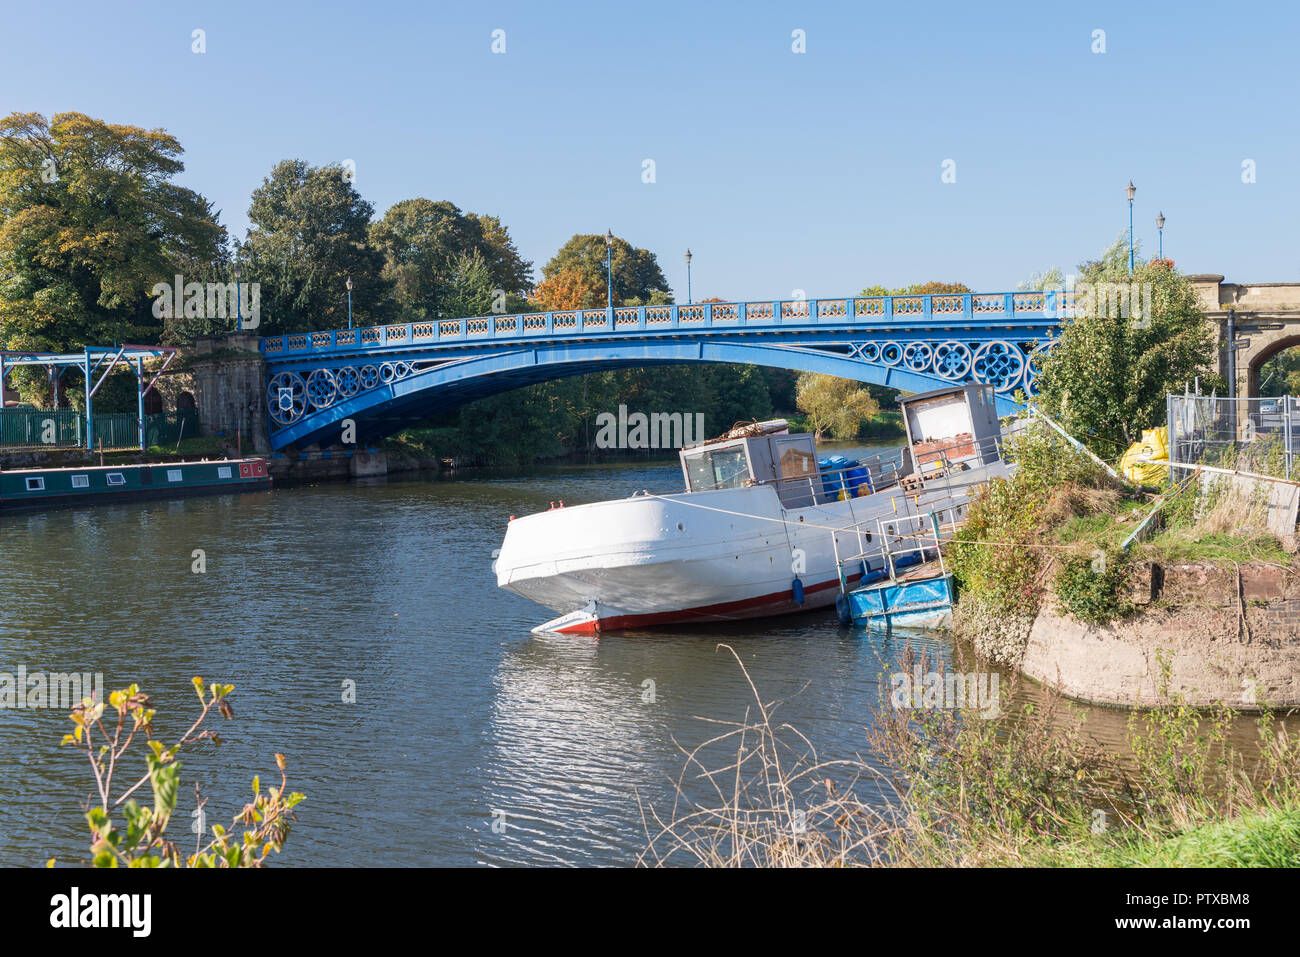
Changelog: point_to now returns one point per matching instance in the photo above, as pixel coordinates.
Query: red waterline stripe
(699, 614)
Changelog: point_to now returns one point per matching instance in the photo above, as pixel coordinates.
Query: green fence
(66, 428)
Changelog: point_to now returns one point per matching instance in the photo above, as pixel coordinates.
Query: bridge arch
(391, 406)
(1280, 342)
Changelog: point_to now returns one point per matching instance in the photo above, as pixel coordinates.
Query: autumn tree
(638, 279)
(834, 405)
(569, 288)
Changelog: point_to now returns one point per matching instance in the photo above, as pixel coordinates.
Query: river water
(462, 719)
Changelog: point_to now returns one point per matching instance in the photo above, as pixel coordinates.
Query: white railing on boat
(928, 531)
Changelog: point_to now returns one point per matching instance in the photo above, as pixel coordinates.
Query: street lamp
(1130, 191)
(239, 315)
(349, 285)
(609, 269)
(688, 277)
(1160, 230)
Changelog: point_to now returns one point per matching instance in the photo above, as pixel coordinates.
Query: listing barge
(52, 487)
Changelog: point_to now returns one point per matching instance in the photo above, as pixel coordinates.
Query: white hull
(720, 555)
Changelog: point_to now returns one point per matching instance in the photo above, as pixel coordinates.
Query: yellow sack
(1146, 462)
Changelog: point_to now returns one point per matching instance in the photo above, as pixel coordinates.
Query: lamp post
(609, 269)
(688, 277)
(1130, 191)
(1160, 231)
(349, 285)
(239, 314)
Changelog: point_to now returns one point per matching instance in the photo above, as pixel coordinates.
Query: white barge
(759, 530)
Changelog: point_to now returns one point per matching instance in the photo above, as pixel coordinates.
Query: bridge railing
(986, 308)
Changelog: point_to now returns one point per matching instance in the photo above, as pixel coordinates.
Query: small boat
(760, 528)
(48, 487)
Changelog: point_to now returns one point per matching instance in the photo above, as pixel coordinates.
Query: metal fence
(66, 428)
(1256, 434)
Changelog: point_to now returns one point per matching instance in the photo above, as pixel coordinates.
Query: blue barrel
(858, 480)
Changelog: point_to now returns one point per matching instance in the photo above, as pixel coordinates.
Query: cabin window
(173, 475)
(223, 471)
(36, 484)
(796, 462)
(723, 468)
(81, 481)
(116, 478)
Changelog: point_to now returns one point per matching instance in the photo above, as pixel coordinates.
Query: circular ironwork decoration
(387, 373)
(1034, 366)
(917, 356)
(1000, 364)
(321, 388)
(286, 397)
(369, 377)
(401, 370)
(348, 380)
(891, 353)
(952, 359)
(870, 352)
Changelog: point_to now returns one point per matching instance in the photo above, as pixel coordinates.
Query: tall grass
(950, 787)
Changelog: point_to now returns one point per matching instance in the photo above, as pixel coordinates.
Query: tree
(1049, 278)
(1107, 375)
(310, 235)
(568, 288)
(835, 405)
(469, 289)
(422, 241)
(917, 289)
(90, 220)
(509, 270)
(637, 277)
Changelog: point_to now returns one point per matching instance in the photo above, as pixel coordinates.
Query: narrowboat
(47, 487)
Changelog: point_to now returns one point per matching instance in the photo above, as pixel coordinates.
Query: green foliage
(433, 252)
(143, 841)
(1280, 374)
(993, 558)
(837, 406)
(1030, 788)
(637, 277)
(932, 288)
(1107, 376)
(310, 233)
(1050, 278)
(90, 220)
(1089, 587)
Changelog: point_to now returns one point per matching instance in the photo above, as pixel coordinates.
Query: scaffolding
(91, 360)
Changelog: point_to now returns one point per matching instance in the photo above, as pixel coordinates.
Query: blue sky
(818, 171)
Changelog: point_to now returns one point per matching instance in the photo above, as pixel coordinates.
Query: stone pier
(230, 388)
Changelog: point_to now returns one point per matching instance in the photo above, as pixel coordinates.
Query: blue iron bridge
(387, 378)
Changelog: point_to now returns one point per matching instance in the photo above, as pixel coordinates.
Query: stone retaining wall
(1227, 636)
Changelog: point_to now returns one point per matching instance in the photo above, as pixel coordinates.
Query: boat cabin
(765, 452)
(953, 428)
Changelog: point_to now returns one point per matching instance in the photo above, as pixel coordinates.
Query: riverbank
(1209, 633)
(1117, 596)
